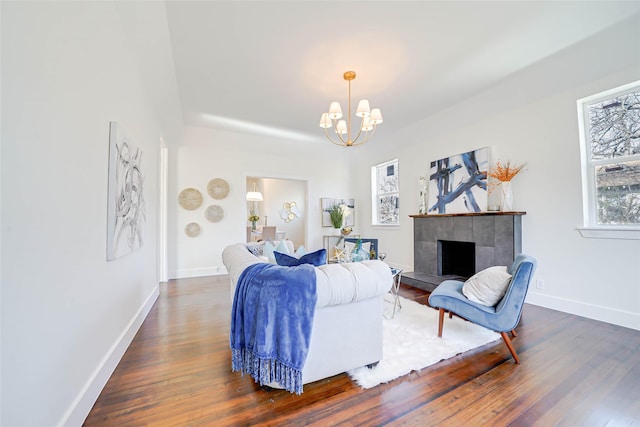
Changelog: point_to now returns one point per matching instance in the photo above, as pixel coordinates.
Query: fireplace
(456, 258)
(456, 246)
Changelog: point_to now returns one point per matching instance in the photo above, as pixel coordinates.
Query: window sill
(610, 233)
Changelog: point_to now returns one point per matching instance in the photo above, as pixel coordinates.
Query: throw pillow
(270, 248)
(488, 286)
(300, 251)
(256, 248)
(283, 248)
(316, 258)
(268, 252)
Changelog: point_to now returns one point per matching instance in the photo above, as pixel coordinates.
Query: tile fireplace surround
(497, 237)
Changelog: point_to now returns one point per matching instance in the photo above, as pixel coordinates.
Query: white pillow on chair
(487, 287)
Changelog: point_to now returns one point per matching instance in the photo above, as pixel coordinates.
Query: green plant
(336, 213)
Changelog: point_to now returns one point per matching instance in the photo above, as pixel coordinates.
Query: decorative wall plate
(214, 213)
(190, 199)
(192, 229)
(218, 188)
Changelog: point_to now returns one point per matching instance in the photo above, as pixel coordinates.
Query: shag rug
(410, 343)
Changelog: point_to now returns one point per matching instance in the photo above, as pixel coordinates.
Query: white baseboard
(197, 272)
(591, 311)
(82, 405)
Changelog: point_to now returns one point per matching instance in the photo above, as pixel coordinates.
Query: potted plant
(337, 214)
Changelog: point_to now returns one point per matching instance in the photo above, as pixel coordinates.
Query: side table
(396, 276)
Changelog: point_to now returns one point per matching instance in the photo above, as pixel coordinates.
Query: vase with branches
(504, 173)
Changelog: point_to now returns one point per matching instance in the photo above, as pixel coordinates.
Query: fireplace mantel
(467, 214)
(497, 237)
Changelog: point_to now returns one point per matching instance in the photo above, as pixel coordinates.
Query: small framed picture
(328, 203)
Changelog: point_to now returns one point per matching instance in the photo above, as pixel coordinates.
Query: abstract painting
(125, 205)
(458, 184)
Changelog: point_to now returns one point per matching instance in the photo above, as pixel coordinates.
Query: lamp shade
(376, 116)
(254, 196)
(335, 111)
(325, 121)
(363, 108)
(366, 124)
(341, 127)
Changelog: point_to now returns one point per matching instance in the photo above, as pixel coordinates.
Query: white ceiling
(270, 66)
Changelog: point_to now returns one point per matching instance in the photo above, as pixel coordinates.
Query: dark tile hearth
(427, 282)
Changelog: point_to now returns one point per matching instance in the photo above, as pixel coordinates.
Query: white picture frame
(326, 203)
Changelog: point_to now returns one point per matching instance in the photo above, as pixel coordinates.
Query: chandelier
(370, 118)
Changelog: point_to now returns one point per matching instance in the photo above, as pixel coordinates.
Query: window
(385, 194)
(610, 146)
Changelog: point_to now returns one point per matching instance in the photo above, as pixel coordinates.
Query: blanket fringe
(266, 370)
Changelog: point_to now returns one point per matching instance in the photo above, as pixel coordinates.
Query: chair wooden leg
(507, 341)
(513, 333)
(440, 322)
(451, 315)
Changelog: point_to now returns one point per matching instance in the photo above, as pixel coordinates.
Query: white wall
(532, 118)
(67, 313)
(206, 154)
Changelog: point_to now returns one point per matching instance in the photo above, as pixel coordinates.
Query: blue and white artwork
(458, 184)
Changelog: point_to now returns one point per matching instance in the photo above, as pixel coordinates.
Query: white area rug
(411, 343)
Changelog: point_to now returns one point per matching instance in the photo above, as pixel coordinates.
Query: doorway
(284, 206)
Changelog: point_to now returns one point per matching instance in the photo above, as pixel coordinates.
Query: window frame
(375, 211)
(590, 227)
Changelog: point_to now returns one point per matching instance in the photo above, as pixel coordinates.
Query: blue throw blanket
(271, 322)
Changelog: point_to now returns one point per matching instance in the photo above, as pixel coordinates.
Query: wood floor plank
(177, 372)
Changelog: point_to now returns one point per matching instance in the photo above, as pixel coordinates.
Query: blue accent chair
(503, 317)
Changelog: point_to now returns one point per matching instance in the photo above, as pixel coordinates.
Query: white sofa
(347, 326)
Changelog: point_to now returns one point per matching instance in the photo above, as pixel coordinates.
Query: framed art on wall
(387, 196)
(125, 195)
(458, 184)
(327, 203)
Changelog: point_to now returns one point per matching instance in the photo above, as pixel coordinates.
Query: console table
(330, 243)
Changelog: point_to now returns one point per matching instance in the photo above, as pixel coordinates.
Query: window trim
(590, 228)
(375, 214)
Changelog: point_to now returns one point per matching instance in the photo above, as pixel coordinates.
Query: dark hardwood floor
(574, 372)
